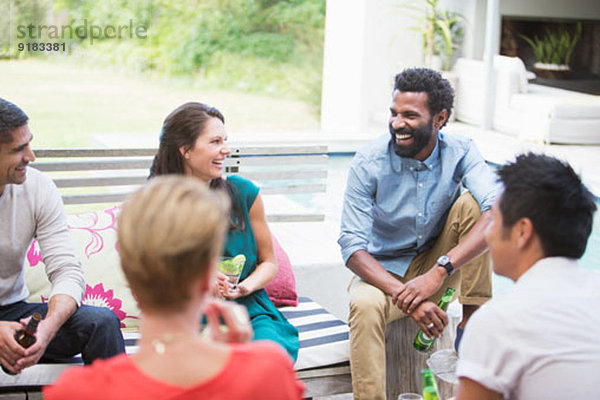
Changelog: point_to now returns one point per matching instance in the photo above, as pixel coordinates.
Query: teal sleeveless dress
(267, 321)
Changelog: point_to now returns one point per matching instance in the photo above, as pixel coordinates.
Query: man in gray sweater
(31, 207)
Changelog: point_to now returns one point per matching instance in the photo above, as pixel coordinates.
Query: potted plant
(448, 37)
(442, 32)
(553, 51)
(443, 36)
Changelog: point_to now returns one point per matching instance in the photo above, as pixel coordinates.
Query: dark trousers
(92, 331)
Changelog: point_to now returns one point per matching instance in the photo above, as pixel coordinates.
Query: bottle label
(423, 342)
(424, 339)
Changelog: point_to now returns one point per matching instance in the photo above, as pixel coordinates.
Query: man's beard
(420, 137)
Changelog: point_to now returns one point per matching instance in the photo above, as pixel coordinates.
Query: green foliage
(19, 13)
(442, 30)
(270, 46)
(447, 36)
(555, 47)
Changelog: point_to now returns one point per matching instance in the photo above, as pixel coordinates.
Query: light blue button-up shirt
(395, 208)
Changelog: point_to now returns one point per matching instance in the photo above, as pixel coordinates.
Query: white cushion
(580, 108)
(510, 78)
(574, 131)
(324, 338)
(95, 238)
(514, 67)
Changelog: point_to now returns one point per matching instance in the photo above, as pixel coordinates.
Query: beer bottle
(423, 342)
(26, 336)
(429, 386)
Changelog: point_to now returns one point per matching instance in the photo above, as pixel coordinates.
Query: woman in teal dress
(193, 143)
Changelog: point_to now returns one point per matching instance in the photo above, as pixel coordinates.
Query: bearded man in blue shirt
(415, 209)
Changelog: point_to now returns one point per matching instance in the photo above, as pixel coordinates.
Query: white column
(492, 38)
(366, 43)
(343, 60)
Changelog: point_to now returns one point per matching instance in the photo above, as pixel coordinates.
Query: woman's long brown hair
(180, 129)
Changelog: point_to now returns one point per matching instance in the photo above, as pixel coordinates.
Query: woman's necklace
(160, 344)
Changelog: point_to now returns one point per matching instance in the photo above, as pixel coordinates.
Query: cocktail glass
(232, 268)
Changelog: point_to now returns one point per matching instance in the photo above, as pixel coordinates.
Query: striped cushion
(323, 341)
(323, 337)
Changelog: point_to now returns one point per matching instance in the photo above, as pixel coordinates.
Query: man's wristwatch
(444, 262)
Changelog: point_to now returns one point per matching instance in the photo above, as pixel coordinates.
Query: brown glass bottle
(26, 336)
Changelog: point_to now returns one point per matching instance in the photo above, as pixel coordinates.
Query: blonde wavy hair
(169, 232)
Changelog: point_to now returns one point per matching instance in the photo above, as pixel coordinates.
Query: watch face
(443, 260)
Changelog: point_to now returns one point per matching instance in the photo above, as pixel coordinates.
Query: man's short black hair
(550, 194)
(439, 91)
(11, 118)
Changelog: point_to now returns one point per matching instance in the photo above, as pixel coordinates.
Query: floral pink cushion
(95, 238)
(282, 289)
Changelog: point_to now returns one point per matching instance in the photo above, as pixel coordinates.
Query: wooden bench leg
(13, 396)
(21, 394)
(326, 381)
(404, 363)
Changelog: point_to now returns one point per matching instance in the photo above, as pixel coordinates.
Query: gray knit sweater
(35, 210)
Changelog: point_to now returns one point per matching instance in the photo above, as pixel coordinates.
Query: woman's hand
(225, 289)
(237, 327)
(240, 291)
(216, 288)
(223, 286)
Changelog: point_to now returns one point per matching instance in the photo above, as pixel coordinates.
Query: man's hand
(60, 308)
(418, 289)
(10, 351)
(396, 288)
(33, 353)
(237, 327)
(430, 318)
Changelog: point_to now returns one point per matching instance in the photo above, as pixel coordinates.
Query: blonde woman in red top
(171, 234)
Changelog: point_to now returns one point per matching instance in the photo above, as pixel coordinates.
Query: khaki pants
(371, 309)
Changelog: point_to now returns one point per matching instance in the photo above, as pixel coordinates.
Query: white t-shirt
(540, 340)
(31, 210)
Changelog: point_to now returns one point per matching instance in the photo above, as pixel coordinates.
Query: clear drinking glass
(410, 396)
(232, 268)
